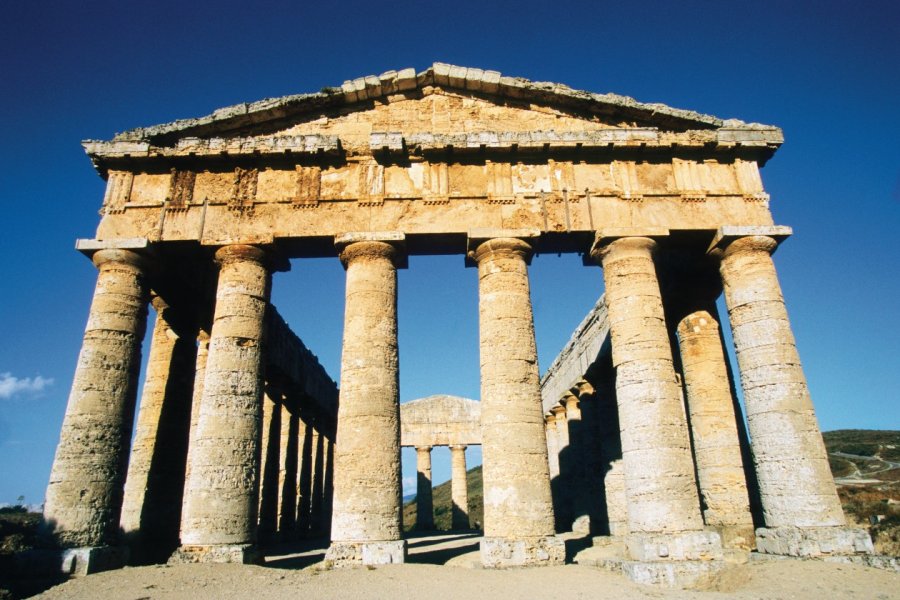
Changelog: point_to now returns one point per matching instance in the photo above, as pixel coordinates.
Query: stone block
(441, 74)
(684, 574)
(406, 80)
(813, 542)
(499, 553)
(245, 554)
(691, 545)
(349, 554)
(72, 562)
(457, 77)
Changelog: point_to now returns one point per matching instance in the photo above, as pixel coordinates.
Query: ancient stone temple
(240, 438)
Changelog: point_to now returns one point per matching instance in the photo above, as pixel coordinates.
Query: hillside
(442, 504)
(866, 468)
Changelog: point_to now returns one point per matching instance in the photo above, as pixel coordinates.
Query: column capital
(458, 447)
(376, 244)
(502, 246)
(766, 238)
(568, 398)
(557, 410)
(583, 388)
(423, 448)
(249, 253)
(485, 242)
(697, 322)
(642, 239)
(131, 258)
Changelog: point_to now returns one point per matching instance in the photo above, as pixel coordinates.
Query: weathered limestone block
(518, 508)
(84, 496)
(221, 499)
(459, 488)
(151, 509)
(717, 451)
(367, 490)
(795, 482)
(659, 470)
(424, 504)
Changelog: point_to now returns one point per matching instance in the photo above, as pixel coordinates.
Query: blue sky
(826, 72)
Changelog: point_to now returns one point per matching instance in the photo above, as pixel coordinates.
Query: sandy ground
(442, 568)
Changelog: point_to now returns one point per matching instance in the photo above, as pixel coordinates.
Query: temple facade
(241, 436)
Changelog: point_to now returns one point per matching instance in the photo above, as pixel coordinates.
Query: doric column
(518, 507)
(459, 488)
(664, 518)
(287, 475)
(367, 491)
(270, 459)
(579, 458)
(84, 496)
(328, 484)
(801, 509)
(552, 445)
(717, 451)
(221, 500)
(151, 510)
(424, 505)
(304, 479)
(562, 497)
(317, 492)
(199, 376)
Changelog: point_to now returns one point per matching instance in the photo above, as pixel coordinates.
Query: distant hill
(442, 504)
(866, 467)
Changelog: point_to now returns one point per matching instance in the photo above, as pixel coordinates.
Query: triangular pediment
(443, 106)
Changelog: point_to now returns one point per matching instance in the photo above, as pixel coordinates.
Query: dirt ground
(442, 567)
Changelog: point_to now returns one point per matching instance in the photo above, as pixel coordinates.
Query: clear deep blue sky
(826, 72)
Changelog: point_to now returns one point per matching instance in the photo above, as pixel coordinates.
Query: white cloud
(409, 485)
(11, 385)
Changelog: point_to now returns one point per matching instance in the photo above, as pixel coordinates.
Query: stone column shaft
(518, 507)
(270, 453)
(317, 508)
(552, 445)
(801, 508)
(717, 451)
(459, 488)
(221, 501)
(304, 479)
(562, 488)
(287, 475)
(659, 469)
(84, 496)
(151, 510)
(199, 376)
(367, 490)
(424, 504)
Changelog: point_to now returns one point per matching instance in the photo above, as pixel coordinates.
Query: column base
(813, 542)
(246, 554)
(500, 553)
(689, 559)
(349, 554)
(72, 562)
(737, 537)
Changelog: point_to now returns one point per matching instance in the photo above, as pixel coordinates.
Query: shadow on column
(160, 517)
